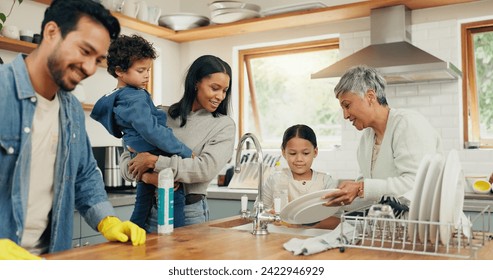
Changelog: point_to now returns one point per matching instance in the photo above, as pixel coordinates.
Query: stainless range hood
(392, 53)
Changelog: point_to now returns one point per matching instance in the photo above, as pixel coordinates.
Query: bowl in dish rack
(183, 21)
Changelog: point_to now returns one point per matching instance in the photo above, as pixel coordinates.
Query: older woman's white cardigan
(408, 137)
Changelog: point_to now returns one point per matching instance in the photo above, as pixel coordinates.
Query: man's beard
(56, 71)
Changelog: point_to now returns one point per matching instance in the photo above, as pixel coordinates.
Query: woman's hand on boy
(141, 163)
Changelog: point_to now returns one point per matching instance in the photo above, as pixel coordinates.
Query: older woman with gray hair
(393, 143)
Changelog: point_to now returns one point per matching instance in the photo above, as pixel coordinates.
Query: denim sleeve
(136, 109)
(91, 199)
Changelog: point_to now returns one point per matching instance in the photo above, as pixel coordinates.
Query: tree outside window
(477, 50)
(278, 92)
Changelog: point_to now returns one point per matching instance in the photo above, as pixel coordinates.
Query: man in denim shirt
(48, 169)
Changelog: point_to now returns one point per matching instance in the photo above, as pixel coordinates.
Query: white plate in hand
(308, 209)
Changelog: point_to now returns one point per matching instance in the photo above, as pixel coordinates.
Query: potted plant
(3, 16)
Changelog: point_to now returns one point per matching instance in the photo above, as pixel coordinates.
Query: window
(276, 92)
(477, 65)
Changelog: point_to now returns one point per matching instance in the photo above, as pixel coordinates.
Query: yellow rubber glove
(11, 251)
(115, 230)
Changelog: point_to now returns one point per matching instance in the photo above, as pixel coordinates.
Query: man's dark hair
(66, 14)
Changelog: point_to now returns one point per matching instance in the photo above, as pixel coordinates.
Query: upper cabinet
(273, 22)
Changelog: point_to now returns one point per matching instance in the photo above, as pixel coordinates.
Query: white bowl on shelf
(231, 15)
(293, 8)
(183, 21)
(216, 5)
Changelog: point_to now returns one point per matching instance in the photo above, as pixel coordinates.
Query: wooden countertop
(214, 241)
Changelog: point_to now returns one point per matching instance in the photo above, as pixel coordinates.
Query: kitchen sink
(246, 226)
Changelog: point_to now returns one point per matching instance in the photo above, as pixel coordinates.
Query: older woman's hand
(141, 163)
(346, 193)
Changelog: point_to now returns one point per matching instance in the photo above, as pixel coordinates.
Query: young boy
(128, 112)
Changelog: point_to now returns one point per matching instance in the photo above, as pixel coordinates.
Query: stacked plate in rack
(436, 209)
(231, 11)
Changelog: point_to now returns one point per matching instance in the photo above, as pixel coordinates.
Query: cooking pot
(108, 159)
(111, 173)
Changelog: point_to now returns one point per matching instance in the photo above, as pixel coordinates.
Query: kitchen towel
(320, 243)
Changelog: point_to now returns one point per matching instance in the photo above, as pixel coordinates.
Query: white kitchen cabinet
(226, 202)
(96, 239)
(76, 230)
(223, 208)
(472, 209)
(478, 221)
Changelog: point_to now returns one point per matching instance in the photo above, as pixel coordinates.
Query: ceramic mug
(131, 8)
(26, 35)
(113, 5)
(117, 5)
(143, 13)
(11, 31)
(37, 38)
(153, 14)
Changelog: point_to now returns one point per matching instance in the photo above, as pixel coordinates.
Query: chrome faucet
(260, 218)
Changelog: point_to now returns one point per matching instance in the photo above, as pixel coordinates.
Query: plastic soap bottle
(165, 201)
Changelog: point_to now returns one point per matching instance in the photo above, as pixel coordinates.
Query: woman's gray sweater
(211, 140)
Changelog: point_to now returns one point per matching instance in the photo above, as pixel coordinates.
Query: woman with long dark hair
(200, 120)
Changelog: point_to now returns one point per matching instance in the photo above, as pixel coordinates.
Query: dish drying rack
(249, 175)
(402, 236)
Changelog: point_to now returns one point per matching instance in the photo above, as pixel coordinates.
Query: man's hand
(115, 230)
(141, 163)
(11, 251)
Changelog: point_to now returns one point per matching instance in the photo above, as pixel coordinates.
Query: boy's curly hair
(124, 50)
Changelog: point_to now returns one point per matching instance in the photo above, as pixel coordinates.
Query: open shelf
(16, 45)
(275, 22)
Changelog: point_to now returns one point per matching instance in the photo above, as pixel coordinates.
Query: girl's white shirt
(276, 182)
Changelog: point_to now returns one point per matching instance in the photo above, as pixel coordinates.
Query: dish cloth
(320, 243)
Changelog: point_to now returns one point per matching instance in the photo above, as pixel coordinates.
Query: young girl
(299, 148)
